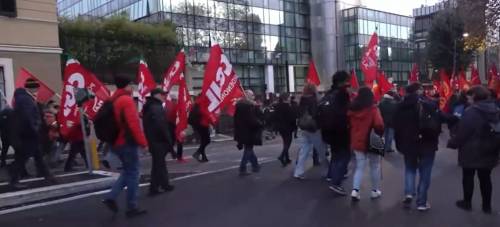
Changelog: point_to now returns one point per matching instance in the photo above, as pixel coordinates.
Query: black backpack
(105, 125)
(429, 120)
(332, 118)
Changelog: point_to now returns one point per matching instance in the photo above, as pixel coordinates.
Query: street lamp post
(465, 35)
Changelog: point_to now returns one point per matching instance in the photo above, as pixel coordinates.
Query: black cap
(121, 81)
(31, 83)
(158, 91)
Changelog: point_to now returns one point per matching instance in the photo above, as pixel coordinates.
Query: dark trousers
(24, 151)
(76, 148)
(178, 154)
(180, 149)
(159, 172)
(204, 133)
(485, 185)
(287, 142)
(249, 156)
(5, 148)
(338, 165)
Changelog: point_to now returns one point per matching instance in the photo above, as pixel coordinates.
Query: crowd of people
(351, 125)
(343, 124)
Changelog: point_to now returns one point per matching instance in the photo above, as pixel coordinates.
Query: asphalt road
(214, 195)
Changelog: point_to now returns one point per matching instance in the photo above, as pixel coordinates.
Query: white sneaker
(376, 194)
(355, 195)
(425, 207)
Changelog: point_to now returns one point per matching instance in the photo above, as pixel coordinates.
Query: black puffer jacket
(408, 137)
(248, 123)
(27, 115)
(284, 117)
(474, 148)
(387, 108)
(154, 121)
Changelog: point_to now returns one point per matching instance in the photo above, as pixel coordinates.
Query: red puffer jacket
(124, 107)
(361, 123)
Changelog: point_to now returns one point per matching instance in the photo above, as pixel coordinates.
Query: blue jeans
(361, 159)
(422, 162)
(309, 140)
(129, 176)
(249, 156)
(338, 165)
(388, 137)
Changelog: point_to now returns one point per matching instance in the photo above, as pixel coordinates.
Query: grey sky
(403, 7)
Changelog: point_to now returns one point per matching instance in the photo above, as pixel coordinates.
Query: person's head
(478, 93)
(363, 100)
(341, 79)
(32, 86)
(159, 94)
(309, 90)
(123, 82)
(284, 97)
(249, 95)
(414, 88)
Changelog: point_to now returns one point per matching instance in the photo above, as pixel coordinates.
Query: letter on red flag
(44, 92)
(369, 61)
(221, 87)
(312, 74)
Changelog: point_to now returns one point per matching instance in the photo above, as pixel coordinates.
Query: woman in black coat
(248, 125)
(285, 121)
(477, 146)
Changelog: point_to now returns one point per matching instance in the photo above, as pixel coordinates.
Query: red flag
(354, 79)
(369, 61)
(444, 90)
(183, 107)
(383, 84)
(75, 76)
(175, 72)
(221, 86)
(413, 74)
(312, 74)
(377, 95)
(44, 92)
(145, 81)
(463, 84)
(475, 79)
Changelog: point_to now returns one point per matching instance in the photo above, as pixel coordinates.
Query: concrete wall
(31, 40)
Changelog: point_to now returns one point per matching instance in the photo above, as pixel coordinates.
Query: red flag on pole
(463, 84)
(145, 81)
(354, 79)
(444, 90)
(369, 61)
(75, 76)
(221, 86)
(413, 74)
(312, 74)
(383, 84)
(173, 74)
(475, 79)
(44, 92)
(183, 107)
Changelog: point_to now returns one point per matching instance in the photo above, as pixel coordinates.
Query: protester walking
(417, 125)
(332, 113)
(364, 117)
(171, 106)
(387, 107)
(248, 126)
(129, 140)
(310, 135)
(201, 125)
(478, 142)
(77, 146)
(26, 133)
(285, 118)
(159, 138)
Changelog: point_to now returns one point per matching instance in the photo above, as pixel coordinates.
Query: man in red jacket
(130, 139)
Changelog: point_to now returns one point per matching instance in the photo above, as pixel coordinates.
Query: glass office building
(395, 48)
(268, 41)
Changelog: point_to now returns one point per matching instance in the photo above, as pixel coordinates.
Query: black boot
(464, 205)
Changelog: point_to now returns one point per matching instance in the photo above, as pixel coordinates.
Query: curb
(37, 194)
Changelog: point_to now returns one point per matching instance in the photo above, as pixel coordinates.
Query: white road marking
(58, 201)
